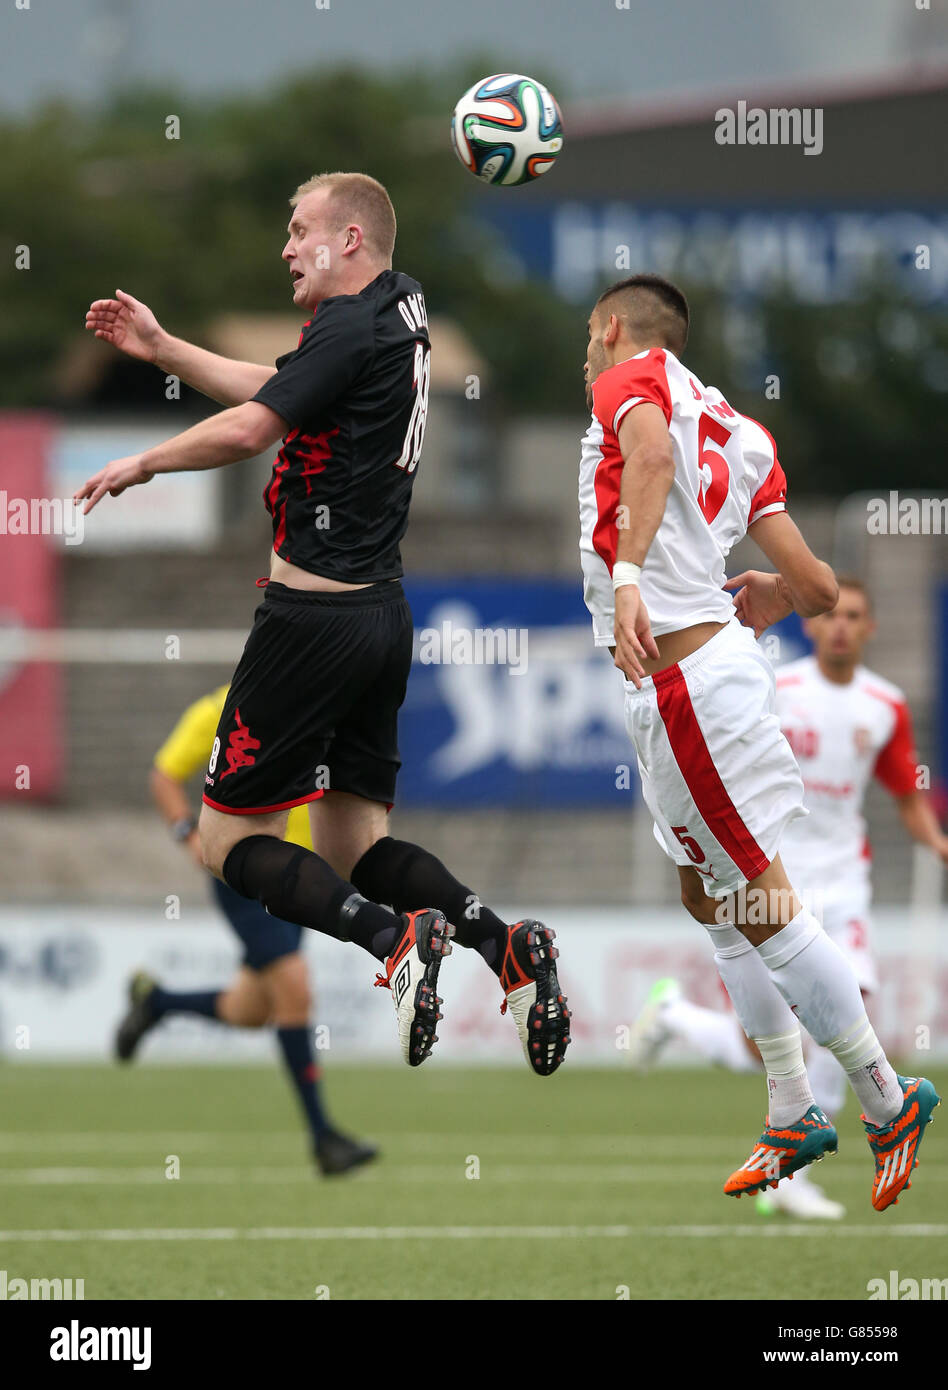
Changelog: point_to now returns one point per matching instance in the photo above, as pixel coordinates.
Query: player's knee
(258, 1014)
(244, 1007)
(213, 852)
(212, 860)
(697, 902)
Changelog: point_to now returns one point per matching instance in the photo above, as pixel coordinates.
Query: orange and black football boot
(528, 979)
(411, 973)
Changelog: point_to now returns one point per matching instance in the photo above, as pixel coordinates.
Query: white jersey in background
(726, 476)
(841, 736)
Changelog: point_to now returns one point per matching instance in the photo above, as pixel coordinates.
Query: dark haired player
(314, 702)
(846, 725)
(671, 478)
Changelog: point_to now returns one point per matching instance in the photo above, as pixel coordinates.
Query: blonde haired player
(313, 706)
(671, 477)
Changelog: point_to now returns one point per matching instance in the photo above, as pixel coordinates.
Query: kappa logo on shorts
(238, 747)
(400, 982)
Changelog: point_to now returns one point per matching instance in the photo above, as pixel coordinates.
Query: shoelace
(382, 982)
(509, 952)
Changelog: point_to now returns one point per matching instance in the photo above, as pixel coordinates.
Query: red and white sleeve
(897, 764)
(619, 389)
(771, 496)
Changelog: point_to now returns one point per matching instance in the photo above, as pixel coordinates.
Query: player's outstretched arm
(803, 583)
(130, 326)
(225, 438)
(172, 801)
(186, 748)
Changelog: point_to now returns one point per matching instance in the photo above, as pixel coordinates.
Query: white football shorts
(717, 774)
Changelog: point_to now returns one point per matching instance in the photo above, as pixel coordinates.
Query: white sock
(871, 1076)
(717, 1036)
(787, 1083)
(757, 1002)
(828, 1081)
(816, 979)
(765, 1017)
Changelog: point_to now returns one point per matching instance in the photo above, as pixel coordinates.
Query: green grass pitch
(591, 1185)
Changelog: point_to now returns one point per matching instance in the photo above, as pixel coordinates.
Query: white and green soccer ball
(507, 129)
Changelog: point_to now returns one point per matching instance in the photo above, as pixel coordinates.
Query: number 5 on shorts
(691, 847)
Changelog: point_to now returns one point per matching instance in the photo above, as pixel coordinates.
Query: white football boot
(411, 973)
(649, 1032)
(802, 1198)
(538, 1007)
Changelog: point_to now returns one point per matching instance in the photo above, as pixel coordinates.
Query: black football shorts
(314, 702)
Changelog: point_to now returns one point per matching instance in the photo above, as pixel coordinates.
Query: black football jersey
(355, 394)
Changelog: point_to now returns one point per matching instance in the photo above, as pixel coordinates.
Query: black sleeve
(337, 347)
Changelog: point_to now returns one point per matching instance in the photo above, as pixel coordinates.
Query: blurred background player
(271, 988)
(845, 724)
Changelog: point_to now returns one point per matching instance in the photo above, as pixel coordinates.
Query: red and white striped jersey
(726, 477)
(841, 736)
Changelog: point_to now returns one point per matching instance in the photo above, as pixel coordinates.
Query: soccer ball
(507, 129)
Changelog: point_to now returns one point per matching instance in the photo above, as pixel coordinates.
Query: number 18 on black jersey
(355, 395)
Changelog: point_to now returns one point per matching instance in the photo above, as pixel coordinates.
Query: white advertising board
(64, 973)
(173, 511)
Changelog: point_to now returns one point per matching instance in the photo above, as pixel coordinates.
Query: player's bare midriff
(675, 646)
(282, 572)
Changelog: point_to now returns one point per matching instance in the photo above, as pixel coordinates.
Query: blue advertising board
(510, 704)
(821, 254)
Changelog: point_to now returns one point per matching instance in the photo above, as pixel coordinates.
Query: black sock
(169, 1001)
(295, 884)
(408, 877)
(297, 1048)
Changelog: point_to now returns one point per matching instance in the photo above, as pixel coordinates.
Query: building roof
(690, 106)
(883, 143)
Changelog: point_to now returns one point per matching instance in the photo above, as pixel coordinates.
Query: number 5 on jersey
(415, 435)
(689, 844)
(712, 493)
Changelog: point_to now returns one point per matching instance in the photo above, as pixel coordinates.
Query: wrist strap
(625, 573)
